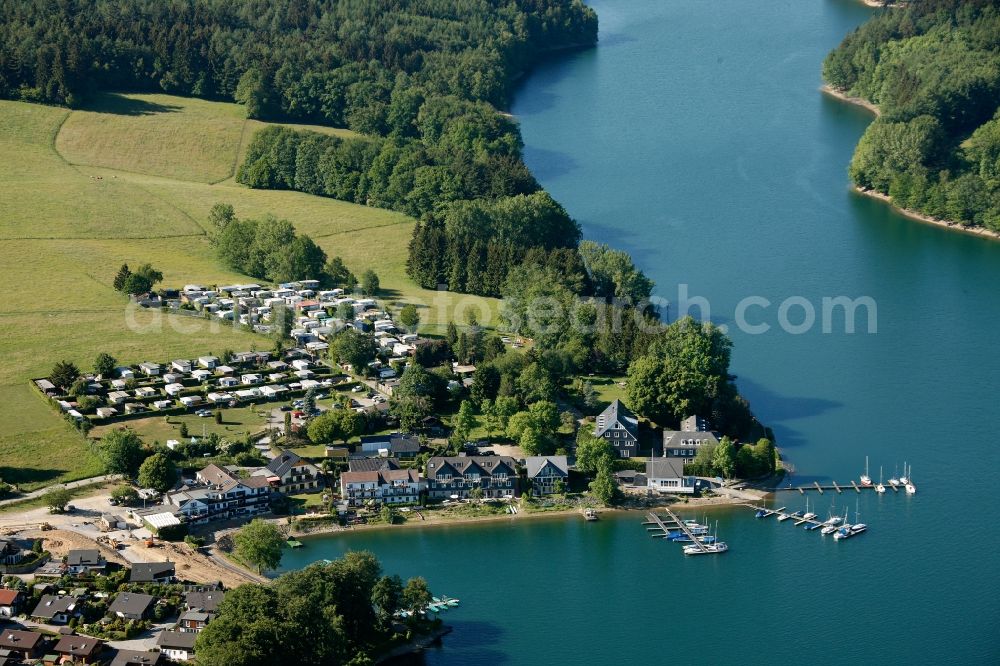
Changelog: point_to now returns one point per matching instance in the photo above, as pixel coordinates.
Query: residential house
(177, 645)
(620, 428)
(388, 486)
(21, 645)
(495, 476)
(55, 608)
(666, 475)
(11, 552)
(152, 572)
(117, 397)
(85, 561)
(544, 471)
(137, 658)
(10, 602)
(79, 649)
(131, 605)
(194, 620)
(290, 473)
(106, 412)
(685, 443)
(207, 600)
(173, 389)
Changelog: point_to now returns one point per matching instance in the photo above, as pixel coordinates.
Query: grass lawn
(607, 388)
(235, 423)
(128, 180)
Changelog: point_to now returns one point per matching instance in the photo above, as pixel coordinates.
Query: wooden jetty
(817, 486)
(797, 520)
(671, 523)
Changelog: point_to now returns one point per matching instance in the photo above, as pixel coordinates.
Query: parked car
(285, 408)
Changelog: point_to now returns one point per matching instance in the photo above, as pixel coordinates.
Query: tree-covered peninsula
(933, 69)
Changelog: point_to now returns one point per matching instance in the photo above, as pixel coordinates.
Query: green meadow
(132, 179)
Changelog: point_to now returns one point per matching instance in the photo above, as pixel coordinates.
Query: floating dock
(814, 523)
(663, 526)
(837, 487)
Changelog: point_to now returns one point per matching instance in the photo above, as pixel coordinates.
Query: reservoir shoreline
(982, 232)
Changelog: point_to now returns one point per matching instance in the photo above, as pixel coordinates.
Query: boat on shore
(590, 515)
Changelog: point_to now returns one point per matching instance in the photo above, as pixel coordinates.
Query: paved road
(70, 485)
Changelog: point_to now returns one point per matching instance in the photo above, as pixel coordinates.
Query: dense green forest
(933, 69)
(342, 612)
(421, 79)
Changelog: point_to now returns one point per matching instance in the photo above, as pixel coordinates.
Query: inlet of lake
(696, 138)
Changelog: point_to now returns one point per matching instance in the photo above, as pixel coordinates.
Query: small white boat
(859, 528)
(903, 480)
(829, 529)
(879, 488)
(783, 516)
(707, 549)
(894, 482)
(910, 489)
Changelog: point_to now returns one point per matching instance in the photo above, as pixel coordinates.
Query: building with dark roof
(207, 601)
(85, 560)
(291, 474)
(22, 645)
(79, 649)
(137, 658)
(177, 645)
(131, 605)
(152, 572)
(55, 609)
(544, 471)
(371, 464)
(458, 476)
(666, 475)
(685, 443)
(619, 427)
(385, 486)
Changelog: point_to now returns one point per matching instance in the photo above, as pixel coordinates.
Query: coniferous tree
(121, 277)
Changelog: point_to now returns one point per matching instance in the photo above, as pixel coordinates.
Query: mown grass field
(235, 423)
(130, 180)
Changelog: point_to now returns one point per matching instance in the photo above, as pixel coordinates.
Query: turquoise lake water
(695, 137)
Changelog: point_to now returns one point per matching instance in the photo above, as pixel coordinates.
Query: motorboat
(709, 549)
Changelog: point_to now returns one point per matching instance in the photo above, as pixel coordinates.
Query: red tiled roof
(7, 597)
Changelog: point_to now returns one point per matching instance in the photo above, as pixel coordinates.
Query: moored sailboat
(865, 479)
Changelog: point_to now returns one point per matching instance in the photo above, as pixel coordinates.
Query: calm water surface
(695, 137)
